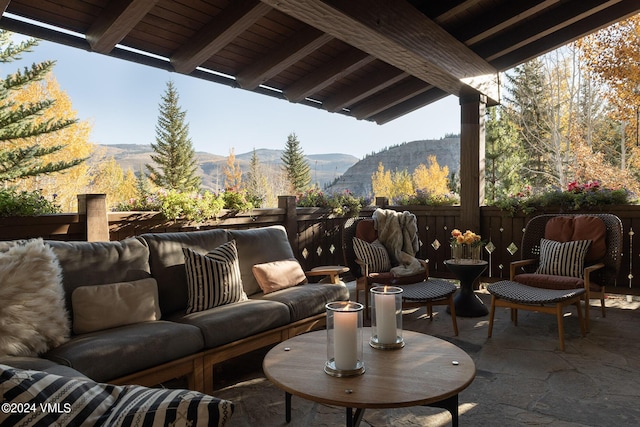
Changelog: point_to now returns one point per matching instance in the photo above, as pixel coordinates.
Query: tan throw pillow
(101, 307)
(273, 276)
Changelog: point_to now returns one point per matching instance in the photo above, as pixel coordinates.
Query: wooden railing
(316, 234)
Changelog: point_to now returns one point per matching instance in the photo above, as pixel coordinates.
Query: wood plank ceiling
(371, 59)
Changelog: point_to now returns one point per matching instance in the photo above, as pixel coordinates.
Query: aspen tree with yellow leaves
(37, 126)
(66, 146)
(232, 173)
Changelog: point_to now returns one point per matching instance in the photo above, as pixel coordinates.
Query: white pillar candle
(386, 318)
(345, 329)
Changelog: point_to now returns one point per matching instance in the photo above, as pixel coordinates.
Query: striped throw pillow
(213, 279)
(373, 254)
(54, 400)
(563, 259)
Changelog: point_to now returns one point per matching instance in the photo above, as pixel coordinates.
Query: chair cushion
(550, 281)
(366, 230)
(582, 227)
(213, 279)
(563, 259)
(276, 275)
(374, 254)
(387, 278)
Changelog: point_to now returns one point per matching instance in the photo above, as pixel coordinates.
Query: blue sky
(121, 101)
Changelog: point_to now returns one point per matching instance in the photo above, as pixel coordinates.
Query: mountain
(325, 168)
(407, 156)
(335, 172)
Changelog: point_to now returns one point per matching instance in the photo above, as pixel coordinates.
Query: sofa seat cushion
(40, 364)
(227, 323)
(82, 402)
(309, 299)
(113, 353)
(550, 281)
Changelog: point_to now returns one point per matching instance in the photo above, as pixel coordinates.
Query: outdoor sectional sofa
(176, 343)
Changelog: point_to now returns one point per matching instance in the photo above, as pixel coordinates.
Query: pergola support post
(472, 159)
(288, 203)
(94, 209)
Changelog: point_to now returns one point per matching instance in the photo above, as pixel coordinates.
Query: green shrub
(25, 203)
(175, 205)
(575, 197)
(423, 198)
(344, 203)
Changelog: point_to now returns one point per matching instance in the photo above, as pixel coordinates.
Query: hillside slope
(409, 155)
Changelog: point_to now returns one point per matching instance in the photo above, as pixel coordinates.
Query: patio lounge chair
(566, 259)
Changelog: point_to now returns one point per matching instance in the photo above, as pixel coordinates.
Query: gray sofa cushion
(167, 262)
(309, 299)
(113, 353)
(227, 323)
(40, 364)
(99, 263)
(257, 246)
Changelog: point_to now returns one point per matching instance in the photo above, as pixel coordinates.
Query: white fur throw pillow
(33, 317)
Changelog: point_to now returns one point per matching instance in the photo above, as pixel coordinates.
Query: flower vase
(476, 253)
(457, 251)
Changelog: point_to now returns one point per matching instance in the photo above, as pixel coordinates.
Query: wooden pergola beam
(563, 16)
(423, 49)
(572, 32)
(363, 89)
(218, 33)
(296, 48)
(432, 95)
(344, 64)
(409, 88)
(499, 20)
(117, 20)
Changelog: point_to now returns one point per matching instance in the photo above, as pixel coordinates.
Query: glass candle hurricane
(344, 339)
(386, 317)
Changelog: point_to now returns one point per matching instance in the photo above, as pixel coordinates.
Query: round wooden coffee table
(426, 371)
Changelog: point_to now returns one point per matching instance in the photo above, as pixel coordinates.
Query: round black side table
(467, 303)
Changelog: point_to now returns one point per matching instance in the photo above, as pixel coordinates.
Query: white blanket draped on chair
(398, 232)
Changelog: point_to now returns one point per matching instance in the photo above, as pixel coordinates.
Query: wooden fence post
(94, 208)
(288, 203)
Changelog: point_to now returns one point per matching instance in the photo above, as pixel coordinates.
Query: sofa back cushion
(167, 262)
(582, 227)
(99, 263)
(258, 246)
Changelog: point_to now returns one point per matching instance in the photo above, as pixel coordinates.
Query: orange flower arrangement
(468, 237)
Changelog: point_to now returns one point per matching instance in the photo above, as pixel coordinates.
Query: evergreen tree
(295, 166)
(175, 158)
(504, 157)
(21, 156)
(527, 109)
(256, 182)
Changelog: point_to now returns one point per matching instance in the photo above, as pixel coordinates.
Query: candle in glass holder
(385, 305)
(345, 340)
